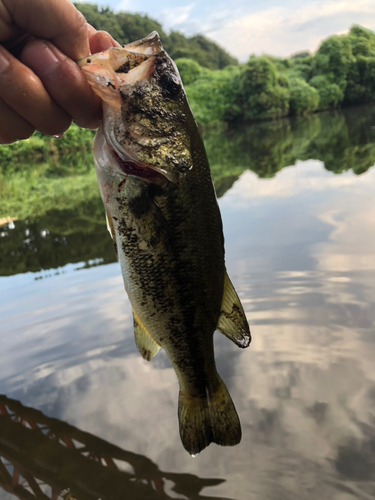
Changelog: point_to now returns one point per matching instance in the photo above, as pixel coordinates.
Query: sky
(245, 27)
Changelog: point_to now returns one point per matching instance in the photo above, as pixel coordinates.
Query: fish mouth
(106, 71)
(109, 73)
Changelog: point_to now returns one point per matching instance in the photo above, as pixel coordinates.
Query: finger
(90, 30)
(101, 40)
(12, 126)
(23, 91)
(64, 82)
(55, 20)
(7, 28)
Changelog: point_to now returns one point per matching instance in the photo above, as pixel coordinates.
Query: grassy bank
(44, 148)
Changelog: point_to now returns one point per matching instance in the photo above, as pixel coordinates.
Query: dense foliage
(261, 93)
(44, 148)
(211, 92)
(340, 73)
(126, 27)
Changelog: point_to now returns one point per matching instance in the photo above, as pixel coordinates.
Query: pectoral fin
(145, 343)
(111, 230)
(232, 320)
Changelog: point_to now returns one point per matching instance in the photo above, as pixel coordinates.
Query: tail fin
(208, 420)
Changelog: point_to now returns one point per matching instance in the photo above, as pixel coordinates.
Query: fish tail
(210, 419)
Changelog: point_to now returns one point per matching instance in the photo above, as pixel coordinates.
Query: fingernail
(40, 58)
(4, 62)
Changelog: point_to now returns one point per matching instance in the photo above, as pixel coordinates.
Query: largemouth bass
(164, 219)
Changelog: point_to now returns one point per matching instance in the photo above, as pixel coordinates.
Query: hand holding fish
(41, 87)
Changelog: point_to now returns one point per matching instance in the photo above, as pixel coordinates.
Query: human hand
(44, 89)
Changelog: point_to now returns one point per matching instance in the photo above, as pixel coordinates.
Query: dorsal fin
(232, 320)
(111, 230)
(145, 343)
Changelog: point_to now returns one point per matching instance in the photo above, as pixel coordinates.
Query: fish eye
(170, 85)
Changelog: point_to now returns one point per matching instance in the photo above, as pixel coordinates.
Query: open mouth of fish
(107, 72)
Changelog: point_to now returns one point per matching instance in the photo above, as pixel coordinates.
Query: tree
(189, 70)
(330, 94)
(261, 94)
(304, 99)
(333, 60)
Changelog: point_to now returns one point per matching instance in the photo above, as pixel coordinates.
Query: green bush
(361, 81)
(260, 94)
(330, 94)
(189, 70)
(212, 96)
(42, 147)
(333, 59)
(300, 67)
(362, 41)
(304, 99)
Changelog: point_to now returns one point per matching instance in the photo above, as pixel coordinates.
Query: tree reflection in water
(341, 140)
(44, 458)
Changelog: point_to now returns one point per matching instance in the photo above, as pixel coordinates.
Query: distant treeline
(126, 27)
(340, 73)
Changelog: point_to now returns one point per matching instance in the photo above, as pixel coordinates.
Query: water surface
(300, 249)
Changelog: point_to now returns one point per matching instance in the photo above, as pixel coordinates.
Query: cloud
(292, 181)
(277, 30)
(174, 17)
(280, 31)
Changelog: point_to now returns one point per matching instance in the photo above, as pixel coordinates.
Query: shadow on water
(42, 457)
(74, 230)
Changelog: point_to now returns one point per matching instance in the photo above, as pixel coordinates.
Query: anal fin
(232, 320)
(145, 343)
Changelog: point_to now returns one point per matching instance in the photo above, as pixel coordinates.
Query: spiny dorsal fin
(111, 230)
(145, 343)
(232, 320)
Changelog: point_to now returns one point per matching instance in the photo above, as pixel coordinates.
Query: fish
(164, 219)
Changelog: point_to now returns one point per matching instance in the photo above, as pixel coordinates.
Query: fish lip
(147, 46)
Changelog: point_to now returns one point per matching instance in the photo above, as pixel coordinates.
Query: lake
(83, 416)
